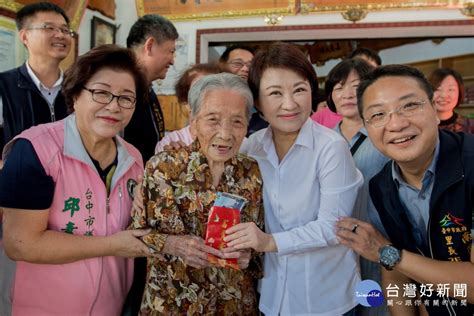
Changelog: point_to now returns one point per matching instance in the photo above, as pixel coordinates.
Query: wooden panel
(462, 64)
(74, 9)
(106, 7)
(343, 5)
(197, 9)
(175, 115)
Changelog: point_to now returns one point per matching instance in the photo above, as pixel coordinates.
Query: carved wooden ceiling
(353, 10)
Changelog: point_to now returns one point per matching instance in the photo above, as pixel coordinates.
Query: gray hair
(154, 25)
(221, 81)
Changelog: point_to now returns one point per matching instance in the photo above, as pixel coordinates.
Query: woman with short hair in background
(448, 88)
(341, 89)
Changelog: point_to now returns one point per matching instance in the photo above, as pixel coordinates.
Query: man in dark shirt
(236, 59)
(153, 39)
(424, 197)
(31, 94)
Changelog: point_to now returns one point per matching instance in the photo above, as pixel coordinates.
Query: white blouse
(315, 183)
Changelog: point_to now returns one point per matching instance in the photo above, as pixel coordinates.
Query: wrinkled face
(43, 38)
(162, 58)
(447, 94)
(221, 124)
(239, 62)
(407, 140)
(104, 120)
(344, 95)
(285, 100)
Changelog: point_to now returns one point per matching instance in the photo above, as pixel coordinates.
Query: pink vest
(80, 206)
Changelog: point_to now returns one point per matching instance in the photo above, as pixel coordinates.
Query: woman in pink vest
(64, 190)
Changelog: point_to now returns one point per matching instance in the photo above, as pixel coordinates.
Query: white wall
(427, 50)
(125, 16)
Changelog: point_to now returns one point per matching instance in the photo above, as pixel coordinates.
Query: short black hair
(340, 73)
(157, 26)
(225, 55)
(392, 71)
(440, 74)
(369, 53)
(30, 10)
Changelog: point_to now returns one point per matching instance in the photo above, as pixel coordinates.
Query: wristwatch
(389, 256)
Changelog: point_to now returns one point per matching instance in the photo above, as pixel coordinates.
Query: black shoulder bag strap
(357, 144)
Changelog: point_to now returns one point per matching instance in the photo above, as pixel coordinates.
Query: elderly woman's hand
(248, 235)
(243, 256)
(127, 244)
(191, 249)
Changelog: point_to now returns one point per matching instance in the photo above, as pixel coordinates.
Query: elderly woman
(64, 193)
(180, 188)
(310, 181)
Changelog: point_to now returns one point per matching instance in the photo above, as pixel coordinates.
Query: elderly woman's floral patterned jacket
(178, 195)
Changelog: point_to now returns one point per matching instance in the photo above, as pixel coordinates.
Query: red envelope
(219, 220)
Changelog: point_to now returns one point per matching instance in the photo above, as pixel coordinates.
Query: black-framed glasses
(51, 29)
(380, 118)
(105, 97)
(238, 64)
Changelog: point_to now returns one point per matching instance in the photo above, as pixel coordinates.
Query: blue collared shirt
(415, 201)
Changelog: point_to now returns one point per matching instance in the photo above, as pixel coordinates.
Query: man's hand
(362, 237)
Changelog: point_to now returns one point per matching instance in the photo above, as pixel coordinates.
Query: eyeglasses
(105, 97)
(50, 29)
(379, 119)
(239, 64)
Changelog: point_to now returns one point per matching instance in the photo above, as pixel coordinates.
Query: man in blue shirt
(424, 196)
